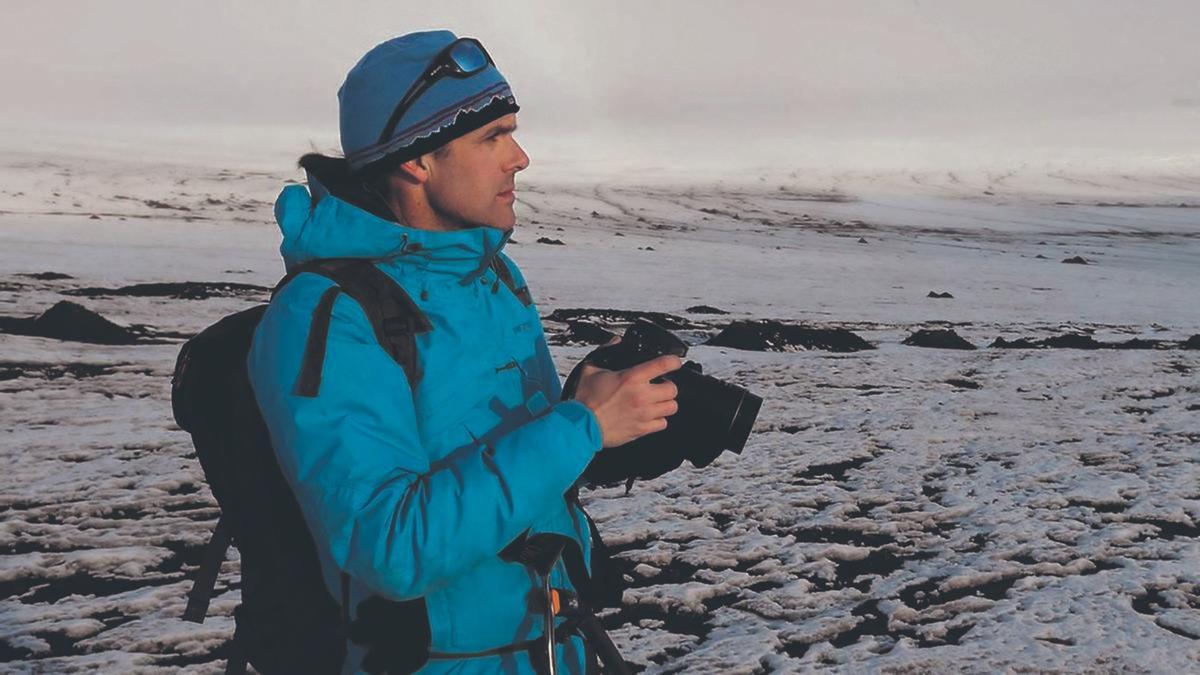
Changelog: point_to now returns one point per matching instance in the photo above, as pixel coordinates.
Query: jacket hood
(317, 224)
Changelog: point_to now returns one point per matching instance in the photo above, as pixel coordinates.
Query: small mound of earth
(611, 317)
(1141, 343)
(1077, 260)
(773, 336)
(46, 276)
(1067, 341)
(962, 383)
(183, 290)
(155, 204)
(69, 321)
(1073, 341)
(705, 309)
(581, 333)
(1019, 343)
(937, 339)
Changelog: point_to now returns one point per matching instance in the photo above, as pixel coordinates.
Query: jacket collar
(334, 228)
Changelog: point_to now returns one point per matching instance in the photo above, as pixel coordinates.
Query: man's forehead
(506, 123)
(500, 125)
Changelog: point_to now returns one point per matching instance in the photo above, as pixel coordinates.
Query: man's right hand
(626, 403)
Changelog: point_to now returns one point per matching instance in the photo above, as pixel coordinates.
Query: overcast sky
(746, 78)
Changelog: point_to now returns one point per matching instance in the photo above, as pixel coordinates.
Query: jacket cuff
(581, 414)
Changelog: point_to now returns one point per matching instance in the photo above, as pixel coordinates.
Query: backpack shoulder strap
(394, 316)
(505, 274)
(206, 576)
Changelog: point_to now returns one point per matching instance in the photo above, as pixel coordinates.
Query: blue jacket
(414, 493)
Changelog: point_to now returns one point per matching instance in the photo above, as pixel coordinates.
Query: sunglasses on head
(462, 58)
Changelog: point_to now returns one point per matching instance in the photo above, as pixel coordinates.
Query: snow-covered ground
(902, 509)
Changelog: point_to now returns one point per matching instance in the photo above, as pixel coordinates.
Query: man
(412, 491)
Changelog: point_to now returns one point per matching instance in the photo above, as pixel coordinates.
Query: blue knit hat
(448, 109)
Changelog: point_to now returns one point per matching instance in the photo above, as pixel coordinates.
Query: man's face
(471, 179)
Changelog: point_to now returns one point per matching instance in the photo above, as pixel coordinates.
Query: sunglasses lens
(468, 57)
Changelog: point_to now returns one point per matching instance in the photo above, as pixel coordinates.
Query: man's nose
(522, 159)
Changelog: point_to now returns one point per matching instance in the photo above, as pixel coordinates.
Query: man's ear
(415, 170)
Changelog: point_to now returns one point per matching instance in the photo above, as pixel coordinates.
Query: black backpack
(287, 621)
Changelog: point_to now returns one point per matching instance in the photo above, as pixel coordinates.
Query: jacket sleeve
(353, 455)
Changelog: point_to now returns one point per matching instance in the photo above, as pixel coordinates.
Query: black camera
(713, 416)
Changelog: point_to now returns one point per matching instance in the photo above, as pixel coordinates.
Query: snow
(879, 519)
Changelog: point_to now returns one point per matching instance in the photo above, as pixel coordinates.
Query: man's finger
(665, 391)
(664, 409)
(655, 367)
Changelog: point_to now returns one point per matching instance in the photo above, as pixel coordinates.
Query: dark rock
(548, 240)
(1067, 341)
(1071, 341)
(963, 384)
(770, 335)
(582, 333)
(1140, 343)
(93, 217)
(705, 309)
(937, 339)
(47, 276)
(862, 240)
(1041, 257)
(155, 204)
(184, 290)
(1191, 343)
(69, 321)
(935, 294)
(1077, 260)
(611, 317)
(1019, 343)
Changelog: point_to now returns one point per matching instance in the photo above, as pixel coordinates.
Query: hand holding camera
(650, 427)
(627, 403)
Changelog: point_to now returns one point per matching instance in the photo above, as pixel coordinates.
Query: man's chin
(506, 222)
(502, 226)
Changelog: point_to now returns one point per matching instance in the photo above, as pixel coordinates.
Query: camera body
(713, 416)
